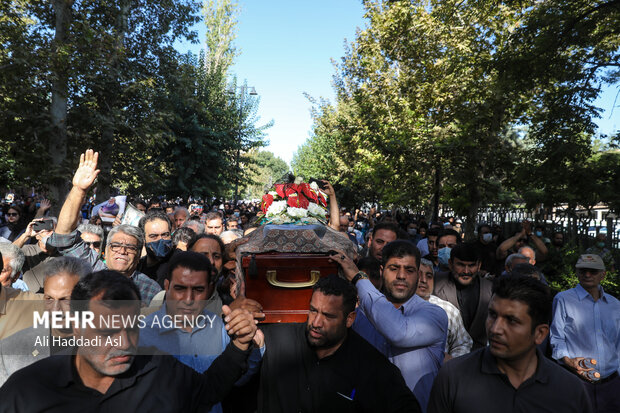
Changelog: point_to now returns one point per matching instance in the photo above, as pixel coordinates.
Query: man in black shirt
(109, 373)
(324, 366)
(466, 290)
(511, 374)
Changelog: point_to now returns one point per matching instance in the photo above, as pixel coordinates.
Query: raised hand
(87, 172)
(45, 205)
(328, 188)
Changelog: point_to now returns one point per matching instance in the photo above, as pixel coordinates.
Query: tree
(268, 170)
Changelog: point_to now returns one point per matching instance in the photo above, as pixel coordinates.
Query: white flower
(281, 219)
(314, 186)
(273, 193)
(299, 180)
(309, 220)
(314, 209)
(297, 212)
(276, 208)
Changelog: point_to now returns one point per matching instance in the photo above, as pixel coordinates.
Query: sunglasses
(12, 214)
(96, 244)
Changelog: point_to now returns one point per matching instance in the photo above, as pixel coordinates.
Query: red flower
(291, 189)
(280, 190)
(267, 201)
(322, 200)
(298, 201)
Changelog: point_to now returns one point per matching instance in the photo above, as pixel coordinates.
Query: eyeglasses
(116, 247)
(12, 214)
(95, 244)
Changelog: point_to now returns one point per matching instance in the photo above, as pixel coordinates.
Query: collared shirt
(196, 349)
(72, 245)
(413, 337)
(474, 383)
(154, 383)
(459, 341)
(355, 378)
(583, 327)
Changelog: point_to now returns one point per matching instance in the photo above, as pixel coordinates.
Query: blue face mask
(601, 244)
(160, 248)
(444, 256)
(539, 234)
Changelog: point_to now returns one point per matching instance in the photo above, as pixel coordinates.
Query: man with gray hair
(13, 260)
(37, 255)
(195, 225)
(32, 344)
(512, 260)
(458, 342)
(181, 215)
(92, 235)
(124, 244)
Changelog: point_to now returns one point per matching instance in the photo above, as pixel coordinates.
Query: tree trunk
(58, 109)
(472, 212)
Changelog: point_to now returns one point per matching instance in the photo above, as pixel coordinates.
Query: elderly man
(32, 344)
(459, 342)
(92, 235)
(108, 372)
(181, 215)
(510, 374)
(195, 225)
(586, 325)
(125, 242)
(36, 255)
(408, 330)
(13, 260)
(16, 307)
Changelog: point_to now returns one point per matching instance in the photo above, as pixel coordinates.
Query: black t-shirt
(356, 378)
(154, 383)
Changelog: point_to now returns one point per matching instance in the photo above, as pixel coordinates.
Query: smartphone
(44, 225)
(318, 182)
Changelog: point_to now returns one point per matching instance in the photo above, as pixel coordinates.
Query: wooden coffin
(282, 282)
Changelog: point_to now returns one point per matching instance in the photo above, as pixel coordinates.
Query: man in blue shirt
(410, 331)
(586, 324)
(183, 327)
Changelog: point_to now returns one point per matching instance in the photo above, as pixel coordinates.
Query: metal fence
(579, 226)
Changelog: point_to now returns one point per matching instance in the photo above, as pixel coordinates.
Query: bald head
(529, 253)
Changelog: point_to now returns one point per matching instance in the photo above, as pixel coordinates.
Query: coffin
(282, 282)
(281, 263)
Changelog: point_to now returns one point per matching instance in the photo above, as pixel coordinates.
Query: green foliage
(162, 122)
(475, 102)
(268, 170)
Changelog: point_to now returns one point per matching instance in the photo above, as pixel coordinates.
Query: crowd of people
(421, 321)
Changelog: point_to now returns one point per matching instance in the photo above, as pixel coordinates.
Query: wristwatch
(358, 277)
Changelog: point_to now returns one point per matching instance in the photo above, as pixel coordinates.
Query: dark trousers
(605, 396)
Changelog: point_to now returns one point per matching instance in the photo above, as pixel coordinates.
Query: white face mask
(412, 231)
(488, 237)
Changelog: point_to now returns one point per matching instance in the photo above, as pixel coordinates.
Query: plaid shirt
(459, 342)
(72, 245)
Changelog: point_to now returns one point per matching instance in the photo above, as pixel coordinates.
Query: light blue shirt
(198, 348)
(20, 284)
(412, 337)
(583, 327)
